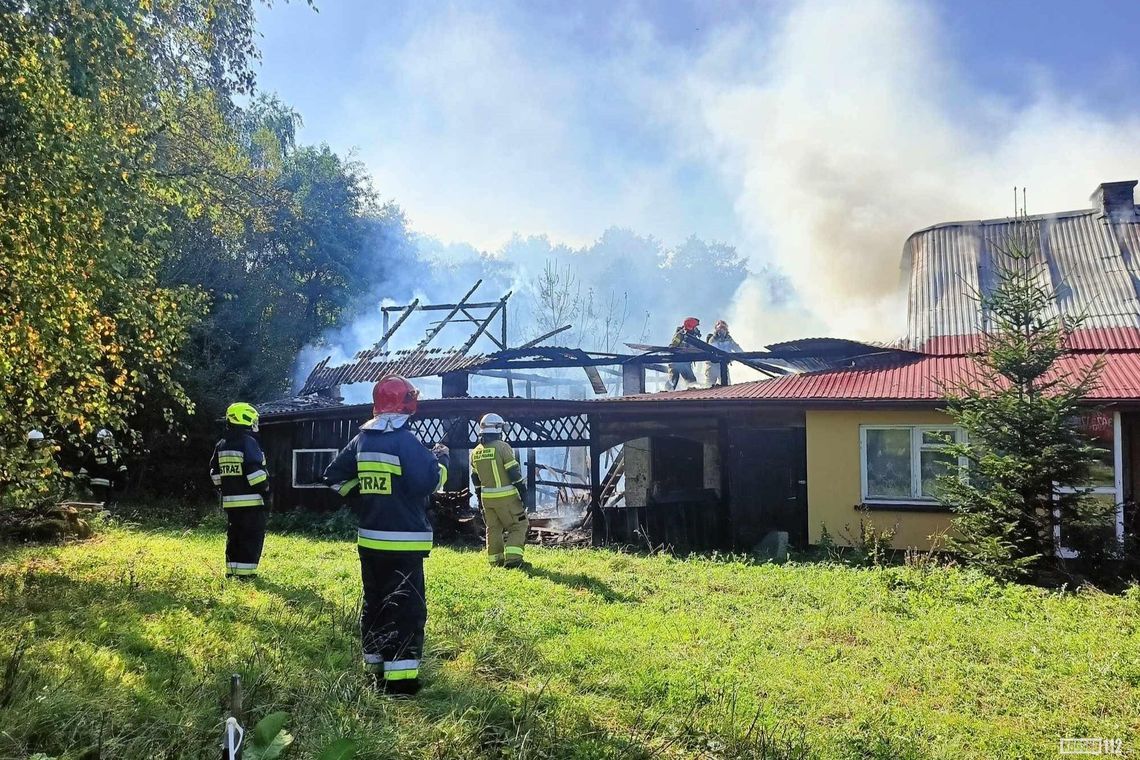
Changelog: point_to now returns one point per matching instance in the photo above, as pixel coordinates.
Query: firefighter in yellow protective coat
(499, 485)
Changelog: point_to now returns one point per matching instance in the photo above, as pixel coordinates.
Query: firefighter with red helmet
(678, 370)
(390, 475)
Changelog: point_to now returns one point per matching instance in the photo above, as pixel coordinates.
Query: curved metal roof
(1089, 259)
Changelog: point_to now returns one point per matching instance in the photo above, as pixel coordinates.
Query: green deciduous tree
(87, 333)
(1028, 460)
(161, 246)
(283, 240)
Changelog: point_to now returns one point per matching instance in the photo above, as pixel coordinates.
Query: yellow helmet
(242, 415)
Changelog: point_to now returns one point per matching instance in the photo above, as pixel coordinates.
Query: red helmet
(394, 395)
(690, 323)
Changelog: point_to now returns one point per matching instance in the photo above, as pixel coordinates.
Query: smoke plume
(814, 136)
(852, 128)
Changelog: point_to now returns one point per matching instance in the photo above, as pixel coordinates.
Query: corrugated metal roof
(372, 367)
(921, 379)
(816, 346)
(818, 354)
(297, 404)
(1089, 259)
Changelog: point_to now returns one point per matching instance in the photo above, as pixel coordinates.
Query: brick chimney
(1115, 199)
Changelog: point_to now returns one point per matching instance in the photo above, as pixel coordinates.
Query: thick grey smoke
(839, 128)
(850, 128)
(622, 288)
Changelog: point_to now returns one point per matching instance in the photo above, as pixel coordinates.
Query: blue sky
(812, 134)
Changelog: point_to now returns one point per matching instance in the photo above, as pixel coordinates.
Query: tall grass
(123, 647)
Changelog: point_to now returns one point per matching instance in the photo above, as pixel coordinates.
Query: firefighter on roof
(103, 469)
(720, 338)
(499, 486)
(238, 470)
(679, 370)
(390, 475)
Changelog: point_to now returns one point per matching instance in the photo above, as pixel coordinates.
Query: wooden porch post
(599, 521)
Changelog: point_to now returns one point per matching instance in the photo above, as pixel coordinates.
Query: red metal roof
(1105, 339)
(924, 379)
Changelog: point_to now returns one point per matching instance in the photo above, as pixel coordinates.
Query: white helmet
(104, 435)
(35, 436)
(491, 423)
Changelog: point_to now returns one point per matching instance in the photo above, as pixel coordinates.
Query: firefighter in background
(389, 475)
(499, 486)
(238, 470)
(678, 370)
(719, 338)
(41, 452)
(38, 446)
(104, 469)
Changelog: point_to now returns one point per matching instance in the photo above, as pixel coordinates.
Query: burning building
(838, 429)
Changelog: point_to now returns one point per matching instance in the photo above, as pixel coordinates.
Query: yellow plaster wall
(833, 487)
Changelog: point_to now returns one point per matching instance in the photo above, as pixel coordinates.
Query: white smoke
(838, 128)
(622, 288)
(852, 127)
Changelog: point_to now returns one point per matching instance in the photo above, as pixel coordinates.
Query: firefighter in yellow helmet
(499, 486)
(238, 471)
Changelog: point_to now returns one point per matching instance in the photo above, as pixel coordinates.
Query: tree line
(166, 244)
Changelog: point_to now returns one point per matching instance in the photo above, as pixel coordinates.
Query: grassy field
(121, 647)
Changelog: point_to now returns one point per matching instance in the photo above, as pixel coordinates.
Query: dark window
(309, 465)
(678, 464)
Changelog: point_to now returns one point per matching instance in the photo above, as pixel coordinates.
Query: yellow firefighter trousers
(505, 516)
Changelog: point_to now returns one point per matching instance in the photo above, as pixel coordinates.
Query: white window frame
(1116, 491)
(309, 451)
(916, 445)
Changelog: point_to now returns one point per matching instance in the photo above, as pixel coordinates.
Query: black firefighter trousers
(393, 614)
(245, 537)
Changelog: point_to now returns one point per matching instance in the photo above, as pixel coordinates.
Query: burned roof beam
(504, 374)
(545, 336)
(456, 321)
(549, 362)
(564, 484)
(454, 310)
(727, 356)
(485, 324)
(390, 331)
(596, 382)
(446, 306)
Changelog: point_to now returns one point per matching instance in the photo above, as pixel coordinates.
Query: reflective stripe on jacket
(238, 468)
(390, 475)
(103, 468)
(495, 470)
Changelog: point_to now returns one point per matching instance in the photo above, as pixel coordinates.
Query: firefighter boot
(409, 687)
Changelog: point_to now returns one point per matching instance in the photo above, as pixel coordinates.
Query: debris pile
(556, 531)
(69, 519)
(453, 520)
